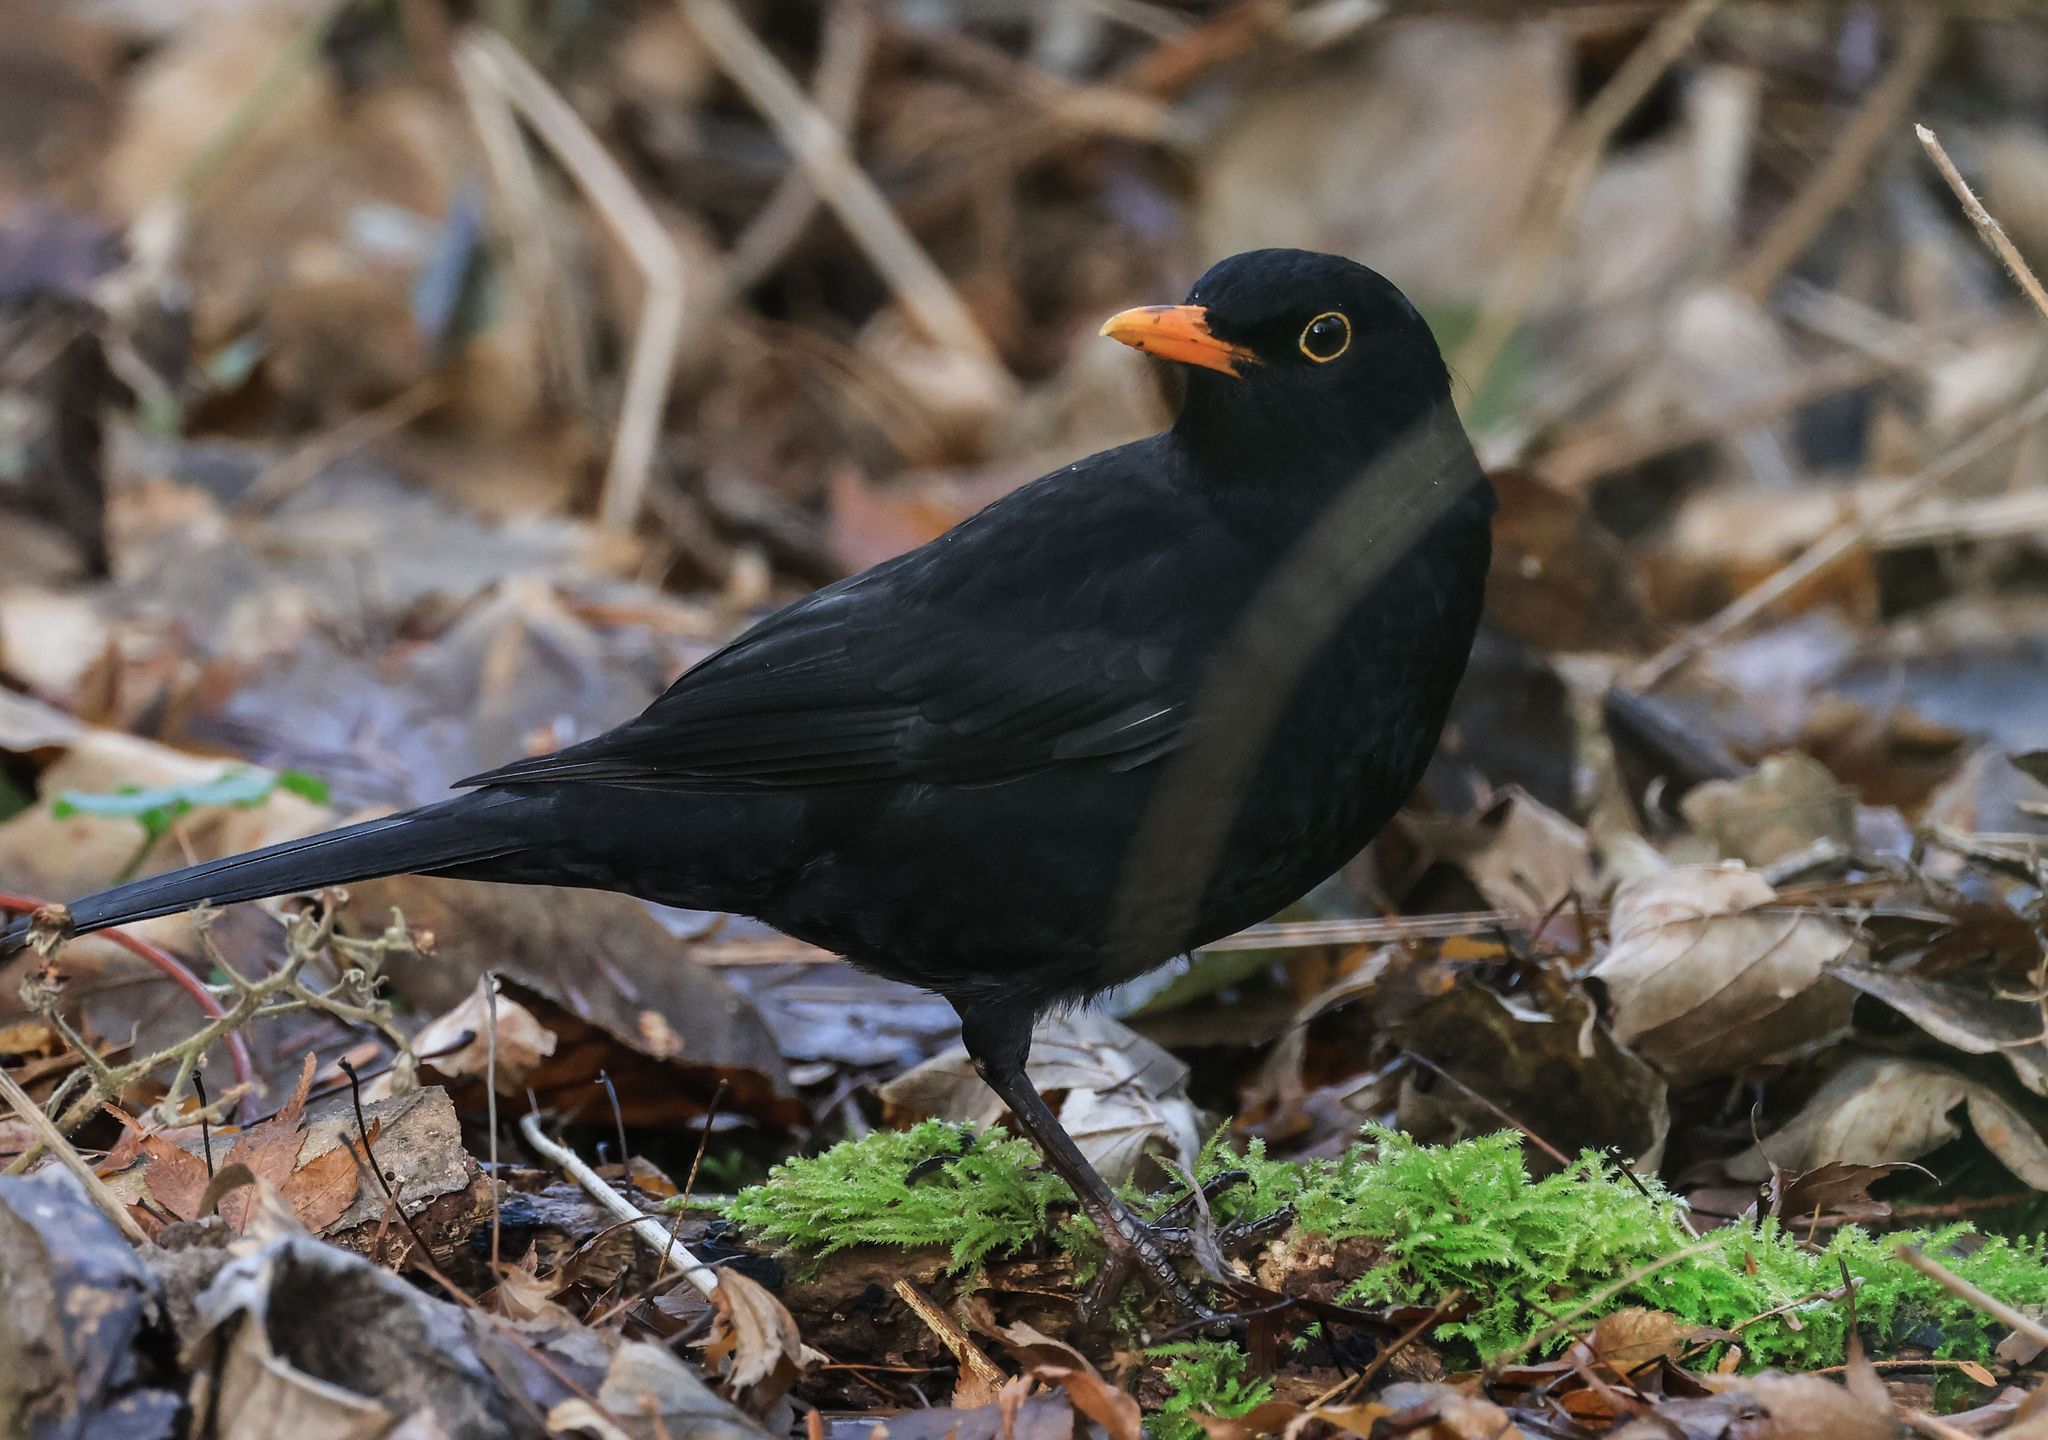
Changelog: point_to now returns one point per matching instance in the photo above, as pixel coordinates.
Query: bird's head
(1297, 364)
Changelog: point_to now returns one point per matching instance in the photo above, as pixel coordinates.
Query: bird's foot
(1149, 1247)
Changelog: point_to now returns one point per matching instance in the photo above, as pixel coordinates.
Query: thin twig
(1933, 1427)
(817, 145)
(53, 1140)
(355, 1092)
(644, 1226)
(292, 474)
(1498, 1113)
(703, 1144)
(1837, 177)
(658, 336)
(1831, 547)
(1407, 1337)
(205, 1124)
(298, 56)
(489, 981)
(1970, 1295)
(1565, 179)
(1992, 232)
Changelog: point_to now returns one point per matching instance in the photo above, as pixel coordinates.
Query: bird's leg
(1000, 1046)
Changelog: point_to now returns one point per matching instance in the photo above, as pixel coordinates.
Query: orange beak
(1177, 332)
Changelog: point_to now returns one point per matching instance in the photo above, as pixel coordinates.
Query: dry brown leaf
(1287, 1419)
(175, 1179)
(1447, 1412)
(756, 1335)
(637, 1003)
(1876, 1110)
(1560, 580)
(270, 1149)
(1534, 860)
(1836, 1190)
(1556, 1070)
(1789, 802)
(1056, 1363)
(1628, 1339)
(321, 1190)
(1965, 1013)
(522, 1041)
(524, 1294)
(1704, 979)
(1769, 1406)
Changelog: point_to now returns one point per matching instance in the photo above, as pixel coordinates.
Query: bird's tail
(481, 826)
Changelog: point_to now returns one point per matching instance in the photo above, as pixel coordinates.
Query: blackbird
(1131, 707)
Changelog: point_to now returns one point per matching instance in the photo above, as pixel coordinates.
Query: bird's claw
(1150, 1247)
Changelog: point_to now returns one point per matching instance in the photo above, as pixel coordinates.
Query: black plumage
(1135, 705)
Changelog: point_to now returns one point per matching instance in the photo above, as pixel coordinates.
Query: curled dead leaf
(756, 1338)
(522, 1041)
(1057, 1363)
(1706, 976)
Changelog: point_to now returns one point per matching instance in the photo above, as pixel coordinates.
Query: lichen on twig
(352, 998)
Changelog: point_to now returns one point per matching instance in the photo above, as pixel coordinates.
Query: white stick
(644, 1226)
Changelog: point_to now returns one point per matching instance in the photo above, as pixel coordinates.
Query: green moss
(1203, 1377)
(982, 1195)
(1468, 1217)
(1461, 1217)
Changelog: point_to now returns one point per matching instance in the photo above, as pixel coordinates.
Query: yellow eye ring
(1310, 339)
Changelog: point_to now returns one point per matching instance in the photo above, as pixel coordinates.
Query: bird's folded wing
(822, 696)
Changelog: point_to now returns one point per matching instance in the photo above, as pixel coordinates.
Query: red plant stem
(174, 969)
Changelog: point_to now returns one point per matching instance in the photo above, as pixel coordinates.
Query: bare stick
(1563, 185)
(1933, 1427)
(658, 336)
(522, 209)
(644, 1226)
(820, 149)
(949, 1334)
(843, 54)
(1970, 1295)
(1844, 538)
(1993, 233)
(53, 1140)
(1836, 178)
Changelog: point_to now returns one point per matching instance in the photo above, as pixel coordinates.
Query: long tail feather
(471, 828)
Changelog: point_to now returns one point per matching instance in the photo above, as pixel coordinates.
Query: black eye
(1327, 337)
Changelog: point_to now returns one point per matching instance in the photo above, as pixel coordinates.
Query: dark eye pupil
(1325, 335)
